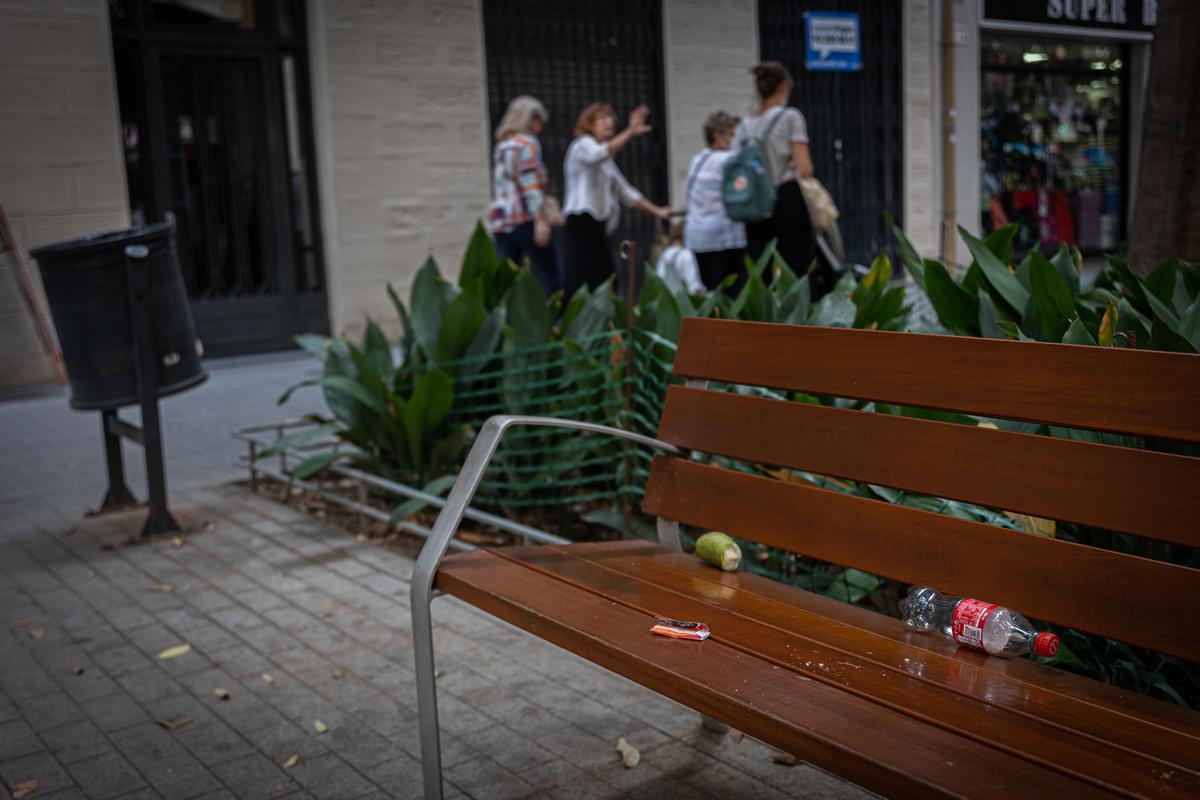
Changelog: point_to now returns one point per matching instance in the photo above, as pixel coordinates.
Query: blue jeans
(518, 245)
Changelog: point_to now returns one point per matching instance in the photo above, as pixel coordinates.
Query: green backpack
(746, 189)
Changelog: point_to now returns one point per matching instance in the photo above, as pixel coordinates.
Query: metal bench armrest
(470, 476)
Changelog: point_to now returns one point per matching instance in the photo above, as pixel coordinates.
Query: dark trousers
(518, 245)
(792, 229)
(715, 265)
(589, 257)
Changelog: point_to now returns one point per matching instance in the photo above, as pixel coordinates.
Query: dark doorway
(215, 111)
(855, 119)
(568, 53)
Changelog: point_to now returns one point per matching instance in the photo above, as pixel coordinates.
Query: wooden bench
(851, 691)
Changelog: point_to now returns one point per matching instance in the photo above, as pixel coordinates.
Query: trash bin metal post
(118, 495)
(137, 277)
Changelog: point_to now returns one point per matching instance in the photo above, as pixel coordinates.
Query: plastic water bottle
(983, 626)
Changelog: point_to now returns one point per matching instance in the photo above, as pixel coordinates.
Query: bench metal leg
(421, 588)
(427, 713)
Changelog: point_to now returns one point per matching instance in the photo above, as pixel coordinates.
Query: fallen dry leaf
(24, 788)
(320, 727)
(290, 761)
(174, 724)
(268, 677)
(175, 652)
(221, 694)
(91, 573)
(209, 526)
(360, 538)
(78, 670)
(735, 735)
(24, 623)
(338, 674)
(177, 542)
(165, 588)
(786, 759)
(630, 756)
(37, 633)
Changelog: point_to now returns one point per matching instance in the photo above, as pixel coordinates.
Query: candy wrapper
(677, 629)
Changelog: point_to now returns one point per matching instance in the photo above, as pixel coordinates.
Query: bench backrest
(1124, 489)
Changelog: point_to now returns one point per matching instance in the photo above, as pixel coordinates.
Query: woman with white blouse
(718, 242)
(594, 186)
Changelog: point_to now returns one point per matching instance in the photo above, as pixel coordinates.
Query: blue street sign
(833, 42)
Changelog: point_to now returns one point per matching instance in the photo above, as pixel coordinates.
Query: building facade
(313, 152)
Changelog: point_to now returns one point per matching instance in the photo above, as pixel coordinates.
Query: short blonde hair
(519, 116)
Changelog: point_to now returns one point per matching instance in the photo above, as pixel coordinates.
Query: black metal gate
(855, 119)
(215, 115)
(569, 53)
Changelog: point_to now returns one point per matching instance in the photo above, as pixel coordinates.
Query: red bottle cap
(1045, 645)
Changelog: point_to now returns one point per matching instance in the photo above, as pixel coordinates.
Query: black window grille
(569, 53)
(855, 119)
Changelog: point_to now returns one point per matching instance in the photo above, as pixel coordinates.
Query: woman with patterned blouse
(517, 219)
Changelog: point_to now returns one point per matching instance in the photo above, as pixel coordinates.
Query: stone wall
(402, 132)
(709, 48)
(61, 164)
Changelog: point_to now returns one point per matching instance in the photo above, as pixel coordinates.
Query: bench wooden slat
(1047, 579)
(1137, 392)
(853, 653)
(1138, 710)
(1085, 757)
(1116, 488)
(876, 747)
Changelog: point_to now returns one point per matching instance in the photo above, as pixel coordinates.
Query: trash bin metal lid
(98, 242)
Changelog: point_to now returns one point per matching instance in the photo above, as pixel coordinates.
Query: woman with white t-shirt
(594, 187)
(718, 242)
(785, 151)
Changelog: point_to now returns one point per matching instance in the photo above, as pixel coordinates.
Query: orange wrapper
(677, 629)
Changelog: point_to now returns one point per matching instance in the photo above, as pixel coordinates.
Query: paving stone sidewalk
(264, 590)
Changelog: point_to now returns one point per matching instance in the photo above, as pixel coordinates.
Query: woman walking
(518, 218)
(594, 187)
(718, 242)
(783, 132)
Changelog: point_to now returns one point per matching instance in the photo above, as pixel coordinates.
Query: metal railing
(365, 483)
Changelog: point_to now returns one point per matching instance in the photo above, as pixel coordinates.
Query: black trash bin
(88, 291)
(126, 333)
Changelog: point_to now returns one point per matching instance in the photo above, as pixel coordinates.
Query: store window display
(1053, 142)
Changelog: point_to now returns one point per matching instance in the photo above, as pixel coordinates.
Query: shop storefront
(1060, 117)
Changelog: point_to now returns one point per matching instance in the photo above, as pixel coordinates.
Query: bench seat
(898, 712)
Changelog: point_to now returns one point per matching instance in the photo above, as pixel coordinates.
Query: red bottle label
(968, 621)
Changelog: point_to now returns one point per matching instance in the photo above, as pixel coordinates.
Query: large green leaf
(908, 254)
(527, 316)
(1161, 282)
(989, 318)
(427, 306)
(299, 439)
(430, 402)
(955, 307)
(502, 280)
(356, 390)
(1078, 334)
(793, 305)
(446, 453)
(835, 310)
(1130, 284)
(461, 322)
(1133, 330)
(479, 260)
(1051, 298)
(997, 273)
(434, 487)
(376, 348)
(1068, 268)
(594, 315)
(485, 343)
(314, 464)
(751, 302)
(1163, 337)
(313, 344)
(1000, 242)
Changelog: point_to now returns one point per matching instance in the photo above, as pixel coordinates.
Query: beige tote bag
(821, 209)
